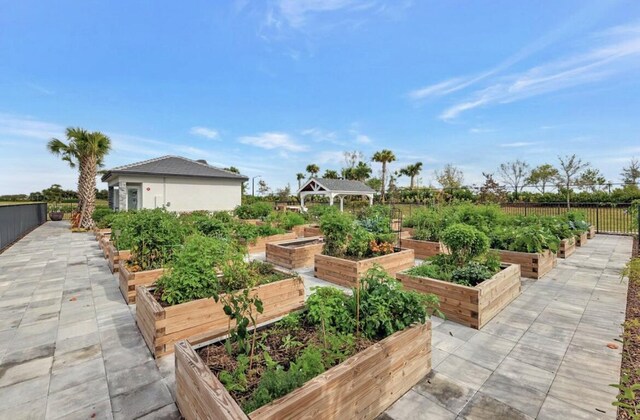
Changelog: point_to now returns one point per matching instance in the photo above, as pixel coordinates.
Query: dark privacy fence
(16, 220)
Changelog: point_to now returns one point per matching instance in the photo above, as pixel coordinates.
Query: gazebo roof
(335, 186)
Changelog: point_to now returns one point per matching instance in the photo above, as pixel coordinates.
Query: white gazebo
(335, 188)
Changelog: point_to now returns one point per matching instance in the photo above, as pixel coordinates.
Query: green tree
(570, 168)
(300, 177)
(313, 169)
(591, 180)
(86, 150)
(541, 176)
(374, 183)
(450, 177)
(412, 171)
(384, 157)
(515, 174)
(631, 173)
(331, 174)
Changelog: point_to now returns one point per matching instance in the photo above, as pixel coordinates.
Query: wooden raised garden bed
(423, 249)
(348, 273)
(361, 387)
(567, 248)
(312, 230)
(581, 239)
(116, 257)
(130, 281)
(260, 244)
(532, 265)
(101, 232)
(293, 254)
(104, 245)
(470, 306)
(203, 319)
(591, 233)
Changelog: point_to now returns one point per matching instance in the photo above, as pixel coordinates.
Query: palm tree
(331, 174)
(362, 171)
(412, 171)
(86, 150)
(300, 176)
(313, 169)
(384, 156)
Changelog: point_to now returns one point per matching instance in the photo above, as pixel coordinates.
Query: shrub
(465, 243)
(258, 210)
(471, 274)
(195, 270)
(99, 214)
(153, 236)
(246, 233)
(534, 239)
(483, 218)
(286, 219)
(120, 234)
(336, 228)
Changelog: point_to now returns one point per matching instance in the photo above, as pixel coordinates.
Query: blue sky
(270, 86)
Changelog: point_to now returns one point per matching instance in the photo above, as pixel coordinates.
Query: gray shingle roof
(173, 166)
(344, 185)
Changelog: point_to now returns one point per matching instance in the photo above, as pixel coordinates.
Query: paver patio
(69, 346)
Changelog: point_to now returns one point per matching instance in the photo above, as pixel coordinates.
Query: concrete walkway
(69, 346)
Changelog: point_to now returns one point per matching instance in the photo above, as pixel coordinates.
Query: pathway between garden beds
(69, 346)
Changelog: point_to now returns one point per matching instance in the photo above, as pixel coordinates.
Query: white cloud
(297, 12)
(519, 144)
(274, 140)
(363, 139)
(441, 88)
(209, 133)
(21, 126)
(331, 157)
(478, 130)
(613, 56)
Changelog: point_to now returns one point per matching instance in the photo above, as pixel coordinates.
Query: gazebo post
(341, 203)
(370, 200)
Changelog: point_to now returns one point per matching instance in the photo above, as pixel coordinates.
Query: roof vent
(202, 161)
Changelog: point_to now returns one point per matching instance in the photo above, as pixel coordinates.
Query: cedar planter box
(116, 257)
(591, 233)
(396, 225)
(470, 306)
(104, 245)
(532, 265)
(361, 387)
(567, 248)
(203, 319)
(294, 254)
(130, 281)
(260, 244)
(101, 232)
(581, 239)
(312, 230)
(299, 230)
(348, 273)
(423, 249)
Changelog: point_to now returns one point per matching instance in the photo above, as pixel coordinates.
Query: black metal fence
(16, 220)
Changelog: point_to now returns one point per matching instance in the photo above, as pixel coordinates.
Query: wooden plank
(532, 265)
(259, 245)
(312, 230)
(422, 249)
(204, 319)
(581, 239)
(294, 254)
(567, 248)
(128, 281)
(471, 306)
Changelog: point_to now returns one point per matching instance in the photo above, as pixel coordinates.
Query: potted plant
(55, 211)
(346, 356)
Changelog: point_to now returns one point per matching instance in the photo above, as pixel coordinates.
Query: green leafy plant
(465, 243)
(337, 229)
(258, 210)
(626, 399)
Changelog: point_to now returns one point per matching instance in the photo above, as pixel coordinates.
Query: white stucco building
(176, 183)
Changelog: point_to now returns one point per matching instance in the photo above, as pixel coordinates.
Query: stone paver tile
(445, 342)
(456, 330)
(437, 356)
(79, 397)
(535, 377)
(70, 358)
(505, 330)
(539, 351)
(445, 391)
(514, 393)
(582, 395)
(31, 410)
(484, 407)
(553, 409)
(168, 412)
(141, 401)
(77, 329)
(464, 371)
(23, 392)
(485, 350)
(20, 372)
(100, 411)
(127, 380)
(71, 376)
(415, 406)
(78, 342)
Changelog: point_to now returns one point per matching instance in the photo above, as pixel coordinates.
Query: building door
(133, 198)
